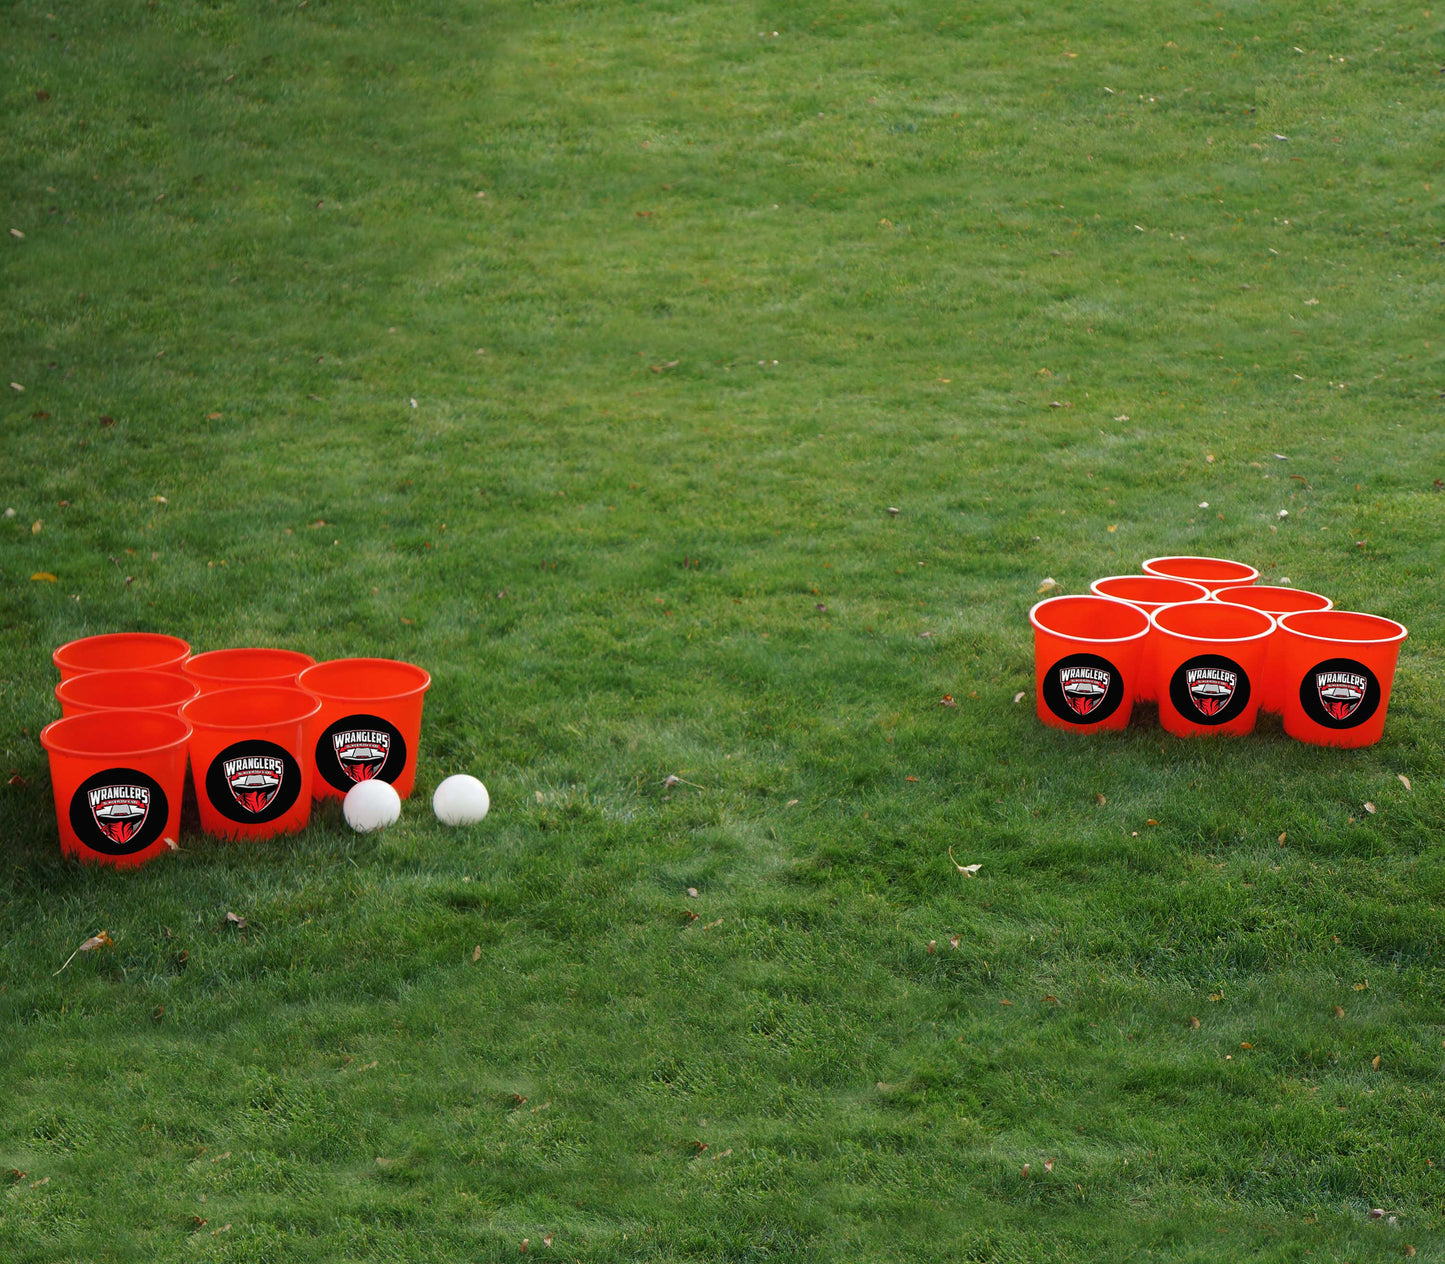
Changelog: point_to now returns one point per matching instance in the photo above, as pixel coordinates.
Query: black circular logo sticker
(118, 812)
(1339, 693)
(1083, 689)
(360, 748)
(253, 782)
(1209, 689)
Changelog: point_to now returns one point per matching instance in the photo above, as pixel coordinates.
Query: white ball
(371, 805)
(461, 800)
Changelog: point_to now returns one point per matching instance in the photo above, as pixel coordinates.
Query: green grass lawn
(577, 351)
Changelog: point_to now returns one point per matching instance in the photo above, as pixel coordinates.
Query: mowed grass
(610, 450)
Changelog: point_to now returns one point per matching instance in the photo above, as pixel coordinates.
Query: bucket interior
(110, 735)
(1213, 621)
(250, 708)
(1090, 618)
(364, 679)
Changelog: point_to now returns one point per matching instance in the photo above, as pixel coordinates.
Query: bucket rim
(66, 688)
(1268, 588)
(54, 742)
(1393, 639)
(422, 684)
(1156, 579)
(238, 726)
(197, 664)
(62, 653)
(1091, 640)
(1201, 557)
(1213, 638)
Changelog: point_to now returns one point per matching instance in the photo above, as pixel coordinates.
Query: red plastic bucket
(1339, 668)
(1210, 572)
(1086, 661)
(249, 760)
(369, 724)
(231, 669)
(121, 651)
(1210, 667)
(1275, 601)
(117, 778)
(124, 691)
(1148, 592)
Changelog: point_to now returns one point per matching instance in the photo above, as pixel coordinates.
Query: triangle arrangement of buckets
(1213, 648)
(265, 730)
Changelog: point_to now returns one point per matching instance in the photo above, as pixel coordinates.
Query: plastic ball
(371, 805)
(461, 800)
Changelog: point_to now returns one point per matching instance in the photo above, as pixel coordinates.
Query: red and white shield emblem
(119, 811)
(1340, 693)
(361, 752)
(254, 780)
(1084, 688)
(1211, 688)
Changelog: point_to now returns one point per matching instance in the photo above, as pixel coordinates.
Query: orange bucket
(117, 778)
(1087, 653)
(230, 669)
(1339, 668)
(369, 724)
(1275, 601)
(249, 760)
(124, 691)
(121, 651)
(1210, 667)
(1210, 572)
(1148, 592)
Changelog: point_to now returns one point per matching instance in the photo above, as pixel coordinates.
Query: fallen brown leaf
(1050, 999)
(1024, 1171)
(932, 946)
(1244, 1044)
(236, 920)
(1002, 1002)
(1193, 1022)
(1048, 1165)
(947, 701)
(1100, 800)
(99, 940)
(1375, 1063)
(968, 871)
(17, 780)
(1370, 808)
(1339, 1011)
(477, 953)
